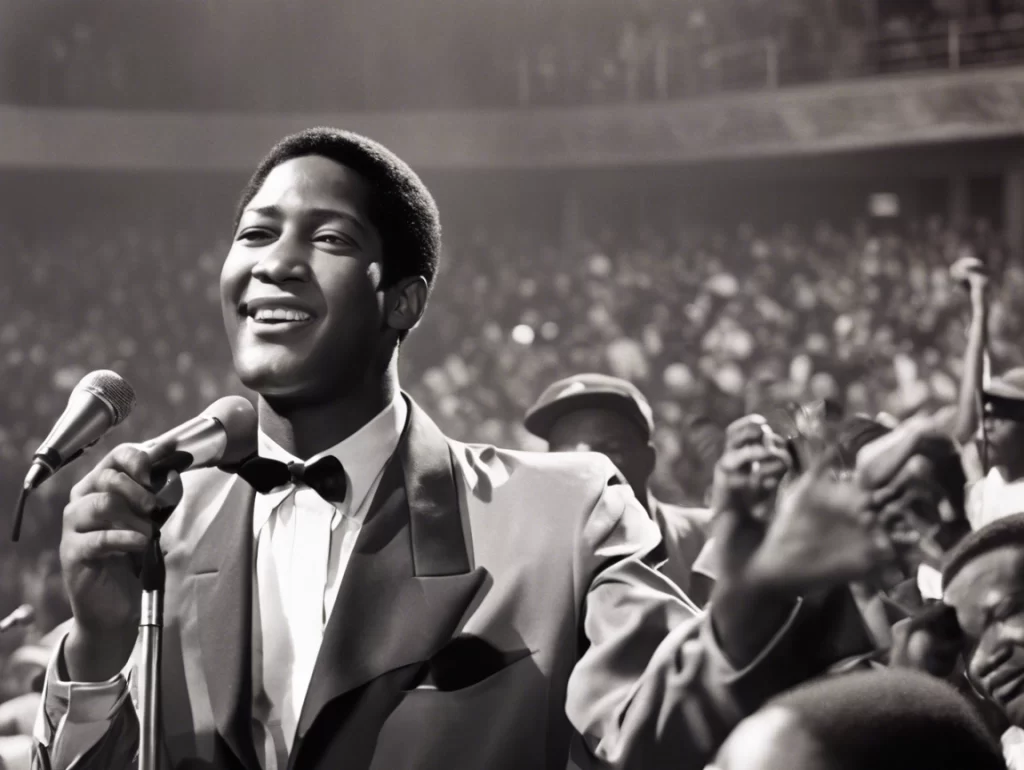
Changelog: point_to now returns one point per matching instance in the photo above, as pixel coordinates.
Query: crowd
(710, 324)
(114, 53)
(706, 323)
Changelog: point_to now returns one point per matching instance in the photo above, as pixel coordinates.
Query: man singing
(422, 603)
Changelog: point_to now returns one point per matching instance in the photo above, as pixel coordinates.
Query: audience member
(982, 582)
(881, 720)
(1001, 445)
(598, 413)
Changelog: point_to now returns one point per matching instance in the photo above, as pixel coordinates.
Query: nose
(282, 261)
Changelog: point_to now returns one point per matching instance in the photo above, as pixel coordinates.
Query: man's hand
(930, 641)
(747, 478)
(824, 533)
(884, 461)
(751, 466)
(915, 478)
(971, 272)
(108, 519)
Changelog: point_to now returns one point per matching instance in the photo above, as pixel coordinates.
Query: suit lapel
(222, 570)
(408, 582)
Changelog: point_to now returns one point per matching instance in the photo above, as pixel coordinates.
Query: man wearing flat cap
(599, 413)
(992, 436)
(1001, 492)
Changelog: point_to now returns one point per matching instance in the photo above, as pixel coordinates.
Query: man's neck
(1014, 472)
(303, 431)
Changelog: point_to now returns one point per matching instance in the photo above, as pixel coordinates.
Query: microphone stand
(153, 575)
(151, 627)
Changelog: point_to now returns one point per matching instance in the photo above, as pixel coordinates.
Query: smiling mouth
(271, 315)
(266, 316)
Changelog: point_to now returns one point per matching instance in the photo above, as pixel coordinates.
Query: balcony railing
(569, 67)
(671, 68)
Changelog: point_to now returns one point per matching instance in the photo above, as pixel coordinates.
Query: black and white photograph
(512, 385)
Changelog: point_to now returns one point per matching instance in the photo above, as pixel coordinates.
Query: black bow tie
(326, 476)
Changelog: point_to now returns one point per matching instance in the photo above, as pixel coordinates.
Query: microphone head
(238, 417)
(113, 390)
(25, 614)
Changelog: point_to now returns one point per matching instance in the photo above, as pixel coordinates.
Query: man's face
(1005, 439)
(300, 288)
(607, 432)
(988, 596)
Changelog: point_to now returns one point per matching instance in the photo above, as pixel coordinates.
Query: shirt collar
(363, 455)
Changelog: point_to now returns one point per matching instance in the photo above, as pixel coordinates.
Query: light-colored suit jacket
(499, 607)
(685, 533)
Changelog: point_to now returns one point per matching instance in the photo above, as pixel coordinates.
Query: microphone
(23, 616)
(223, 435)
(99, 402)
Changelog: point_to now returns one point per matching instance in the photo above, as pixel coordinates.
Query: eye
(333, 239)
(1006, 609)
(254, 234)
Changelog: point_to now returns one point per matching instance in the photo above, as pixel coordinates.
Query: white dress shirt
(304, 542)
(302, 548)
(993, 497)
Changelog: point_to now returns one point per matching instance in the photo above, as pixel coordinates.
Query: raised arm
(661, 684)
(971, 272)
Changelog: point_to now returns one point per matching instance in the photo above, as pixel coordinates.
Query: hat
(1009, 386)
(1004, 396)
(589, 391)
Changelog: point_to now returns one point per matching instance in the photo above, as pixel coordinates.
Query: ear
(405, 302)
(648, 458)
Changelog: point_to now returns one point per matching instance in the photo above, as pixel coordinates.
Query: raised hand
(824, 533)
(916, 480)
(971, 272)
(750, 469)
(880, 462)
(747, 478)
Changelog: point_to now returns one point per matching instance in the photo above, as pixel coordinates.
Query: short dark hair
(892, 719)
(401, 207)
(1008, 530)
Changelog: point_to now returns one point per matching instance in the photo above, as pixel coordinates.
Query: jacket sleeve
(85, 726)
(652, 687)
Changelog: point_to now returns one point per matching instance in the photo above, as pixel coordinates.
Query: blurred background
(733, 203)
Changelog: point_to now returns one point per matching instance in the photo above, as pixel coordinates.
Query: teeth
(280, 314)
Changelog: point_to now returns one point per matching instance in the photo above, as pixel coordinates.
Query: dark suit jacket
(498, 607)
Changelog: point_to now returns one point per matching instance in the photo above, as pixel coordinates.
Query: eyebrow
(320, 213)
